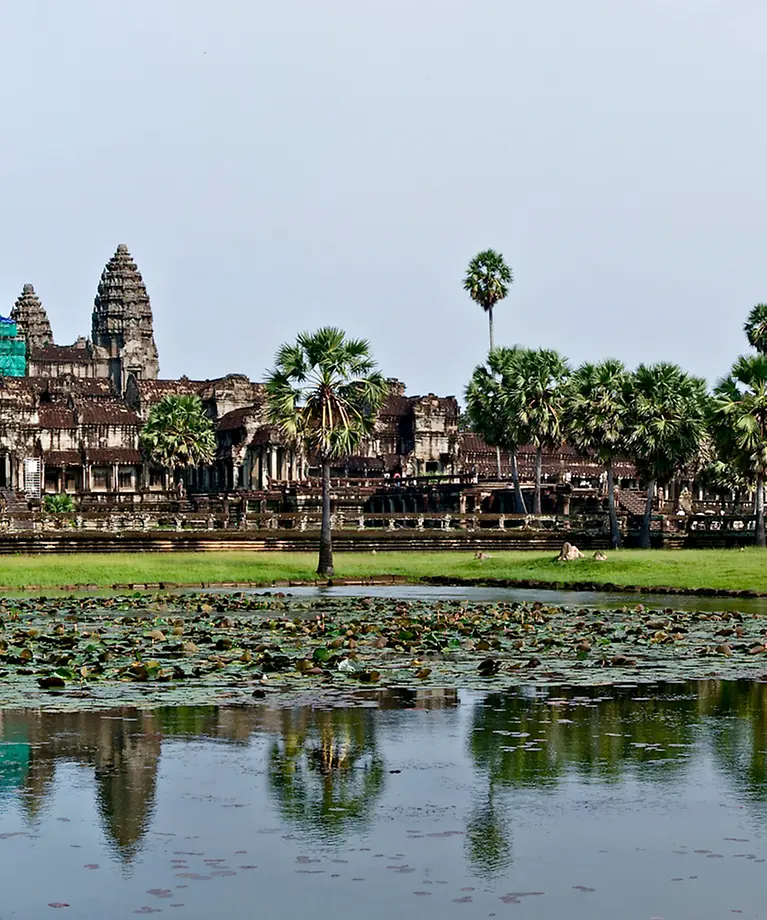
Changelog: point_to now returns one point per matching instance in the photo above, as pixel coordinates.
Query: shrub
(58, 504)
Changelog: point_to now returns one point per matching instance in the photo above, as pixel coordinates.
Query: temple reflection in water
(326, 769)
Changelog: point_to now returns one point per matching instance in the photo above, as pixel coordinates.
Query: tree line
(661, 418)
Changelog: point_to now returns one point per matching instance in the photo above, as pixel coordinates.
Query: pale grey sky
(276, 166)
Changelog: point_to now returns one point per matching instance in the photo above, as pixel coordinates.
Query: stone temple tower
(122, 328)
(31, 319)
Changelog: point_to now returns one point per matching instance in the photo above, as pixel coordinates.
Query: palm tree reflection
(325, 772)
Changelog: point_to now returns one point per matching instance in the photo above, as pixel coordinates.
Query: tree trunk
(615, 531)
(498, 461)
(325, 566)
(760, 540)
(644, 536)
(490, 324)
(520, 498)
(538, 476)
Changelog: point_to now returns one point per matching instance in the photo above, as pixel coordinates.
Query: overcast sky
(277, 166)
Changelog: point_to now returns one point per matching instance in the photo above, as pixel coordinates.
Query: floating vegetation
(81, 652)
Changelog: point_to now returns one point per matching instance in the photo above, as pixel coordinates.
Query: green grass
(723, 569)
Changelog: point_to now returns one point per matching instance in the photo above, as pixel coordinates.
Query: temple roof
(61, 354)
(236, 418)
(31, 319)
(111, 412)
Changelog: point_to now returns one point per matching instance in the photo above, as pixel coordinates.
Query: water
(606, 600)
(610, 803)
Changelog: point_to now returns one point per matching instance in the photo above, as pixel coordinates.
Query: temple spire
(122, 318)
(31, 319)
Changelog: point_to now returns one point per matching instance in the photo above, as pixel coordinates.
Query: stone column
(115, 478)
(272, 463)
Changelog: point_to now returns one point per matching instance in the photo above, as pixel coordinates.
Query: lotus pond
(90, 652)
(259, 754)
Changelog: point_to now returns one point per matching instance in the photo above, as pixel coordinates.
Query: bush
(58, 504)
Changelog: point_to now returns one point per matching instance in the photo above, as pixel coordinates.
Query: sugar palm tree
(178, 434)
(489, 398)
(324, 393)
(537, 405)
(596, 407)
(666, 424)
(487, 280)
(739, 425)
(756, 328)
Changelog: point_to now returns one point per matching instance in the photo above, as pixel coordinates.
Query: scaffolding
(13, 350)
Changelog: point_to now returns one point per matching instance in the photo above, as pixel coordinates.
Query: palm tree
(666, 424)
(487, 280)
(739, 425)
(324, 393)
(724, 478)
(756, 328)
(596, 407)
(489, 398)
(538, 382)
(178, 434)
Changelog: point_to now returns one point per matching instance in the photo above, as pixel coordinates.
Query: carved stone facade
(66, 425)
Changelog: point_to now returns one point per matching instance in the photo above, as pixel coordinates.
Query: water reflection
(326, 771)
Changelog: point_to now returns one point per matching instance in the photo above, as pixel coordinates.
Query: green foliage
(756, 328)
(595, 422)
(58, 504)
(722, 476)
(178, 434)
(517, 397)
(489, 399)
(739, 425)
(487, 279)
(739, 415)
(596, 409)
(666, 419)
(324, 393)
(535, 379)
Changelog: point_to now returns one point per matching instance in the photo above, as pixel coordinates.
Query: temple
(71, 416)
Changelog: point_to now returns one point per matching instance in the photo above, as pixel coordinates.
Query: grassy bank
(719, 569)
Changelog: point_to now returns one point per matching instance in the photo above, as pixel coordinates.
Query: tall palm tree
(324, 393)
(739, 425)
(596, 407)
(489, 399)
(666, 422)
(538, 380)
(178, 434)
(487, 280)
(756, 328)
